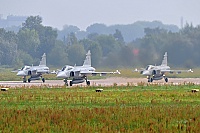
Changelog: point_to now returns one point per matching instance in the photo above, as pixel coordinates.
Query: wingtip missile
(190, 70)
(118, 72)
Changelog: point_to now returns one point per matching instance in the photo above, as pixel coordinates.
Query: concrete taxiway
(101, 82)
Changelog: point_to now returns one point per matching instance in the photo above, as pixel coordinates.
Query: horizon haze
(84, 13)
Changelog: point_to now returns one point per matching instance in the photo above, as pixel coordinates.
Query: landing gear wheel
(66, 83)
(29, 80)
(43, 80)
(24, 79)
(70, 83)
(88, 83)
(166, 79)
(150, 80)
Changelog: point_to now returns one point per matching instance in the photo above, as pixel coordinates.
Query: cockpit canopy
(149, 67)
(25, 68)
(67, 68)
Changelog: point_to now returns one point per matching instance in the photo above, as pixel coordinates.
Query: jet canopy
(25, 68)
(67, 68)
(149, 67)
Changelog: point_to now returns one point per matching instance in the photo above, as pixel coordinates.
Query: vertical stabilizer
(164, 61)
(43, 60)
(87, 61)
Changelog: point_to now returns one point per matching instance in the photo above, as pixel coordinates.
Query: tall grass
(142, 108)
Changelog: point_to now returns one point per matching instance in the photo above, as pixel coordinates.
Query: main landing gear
(77, 81)
(150, 79)
(33, 78)
(88, 83)
(166, 79)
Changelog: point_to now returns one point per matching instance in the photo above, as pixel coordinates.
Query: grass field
(142, 108)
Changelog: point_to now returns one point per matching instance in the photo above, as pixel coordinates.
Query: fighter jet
(158, 72)
(79, 73)
(35, 72)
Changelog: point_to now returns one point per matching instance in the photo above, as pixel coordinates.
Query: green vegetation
(108, 49)
(151, 108)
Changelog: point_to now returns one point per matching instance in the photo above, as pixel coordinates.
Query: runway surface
(101, 82)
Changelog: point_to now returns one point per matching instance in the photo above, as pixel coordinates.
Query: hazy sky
(83, 13)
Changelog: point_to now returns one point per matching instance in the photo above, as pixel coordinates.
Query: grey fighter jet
(79, 73)
(158, 72)
(35, 72)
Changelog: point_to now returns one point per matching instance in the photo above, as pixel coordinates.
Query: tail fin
(87, 61)
(164, 61)
(43, 60)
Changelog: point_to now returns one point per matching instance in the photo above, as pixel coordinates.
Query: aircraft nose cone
(61, 75)
(145, 73)
(21, 73)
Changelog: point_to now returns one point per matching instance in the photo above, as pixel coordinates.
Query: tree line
(129, 32)
(183, 47)
(108, 50)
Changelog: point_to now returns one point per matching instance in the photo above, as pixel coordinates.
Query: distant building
(12, 21)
